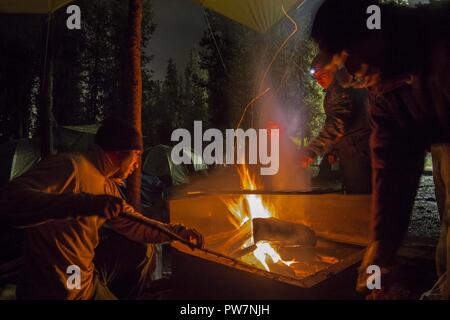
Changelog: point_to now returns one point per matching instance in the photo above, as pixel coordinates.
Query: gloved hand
(190, 235)
(307, 157)
(103, 205)
(332, 158)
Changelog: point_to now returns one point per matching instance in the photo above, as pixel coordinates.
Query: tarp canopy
(31, 6)
(158, 162)
(259, 15)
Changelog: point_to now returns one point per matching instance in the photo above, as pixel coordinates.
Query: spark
(269, 67)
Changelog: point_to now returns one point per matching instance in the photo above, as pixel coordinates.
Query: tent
(74, 138)
(47, 7)
(17, 157)
(157, 161)
(259, 15)
(20, 155)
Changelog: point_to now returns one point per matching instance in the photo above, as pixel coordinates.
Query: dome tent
(20, 155)
(157, 161)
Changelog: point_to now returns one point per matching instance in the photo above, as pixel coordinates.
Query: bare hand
(332, 158)
(306, 159)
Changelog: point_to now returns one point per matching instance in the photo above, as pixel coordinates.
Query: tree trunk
(133, 89)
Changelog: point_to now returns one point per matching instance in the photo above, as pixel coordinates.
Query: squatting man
(63, 202)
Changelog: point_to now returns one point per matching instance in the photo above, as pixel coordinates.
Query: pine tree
(169, 105)
(195, 95)
(215, 51)
(92, 57)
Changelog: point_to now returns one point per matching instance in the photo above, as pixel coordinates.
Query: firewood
(288, 233)
(231, 241)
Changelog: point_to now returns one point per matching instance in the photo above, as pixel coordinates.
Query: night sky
(179, 28)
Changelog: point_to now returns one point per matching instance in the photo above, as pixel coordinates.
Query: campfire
(262, 240)
(277, 243)
(243, 211)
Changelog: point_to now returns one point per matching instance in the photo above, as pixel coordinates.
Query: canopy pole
(46, 94)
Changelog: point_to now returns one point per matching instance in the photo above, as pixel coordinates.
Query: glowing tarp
(259, 15)
(31, 6)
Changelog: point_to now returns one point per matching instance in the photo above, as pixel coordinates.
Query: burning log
(242, 252)
(230, 242)
(289, 233)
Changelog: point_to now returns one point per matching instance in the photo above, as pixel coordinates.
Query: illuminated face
(127, 162)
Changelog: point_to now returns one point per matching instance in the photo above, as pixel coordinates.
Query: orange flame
(250, 206)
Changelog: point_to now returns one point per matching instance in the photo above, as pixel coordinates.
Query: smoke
(291, 176)
(220, 178)
(270, 112)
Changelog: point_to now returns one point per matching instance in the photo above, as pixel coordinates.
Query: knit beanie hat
(117, 135)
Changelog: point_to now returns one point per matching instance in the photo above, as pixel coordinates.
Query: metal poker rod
(132, 215)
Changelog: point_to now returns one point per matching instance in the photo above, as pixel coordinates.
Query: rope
(47, 42)
(274, 58)
(205, 15)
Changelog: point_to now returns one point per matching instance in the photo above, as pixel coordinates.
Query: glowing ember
(250, 206)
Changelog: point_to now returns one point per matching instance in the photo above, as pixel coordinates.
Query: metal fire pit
(340, 221)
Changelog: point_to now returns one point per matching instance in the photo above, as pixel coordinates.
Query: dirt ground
(425, 217)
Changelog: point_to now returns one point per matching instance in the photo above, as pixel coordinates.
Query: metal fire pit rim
(306, 282)
(200, 193)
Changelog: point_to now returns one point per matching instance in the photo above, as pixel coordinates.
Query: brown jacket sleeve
(338, 106)
(136, 231)
(45, 192)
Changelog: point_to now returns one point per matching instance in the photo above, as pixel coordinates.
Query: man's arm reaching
(143, 233)
(338, 107)
(48, 192)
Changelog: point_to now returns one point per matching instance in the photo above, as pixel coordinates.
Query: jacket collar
(101, 161)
